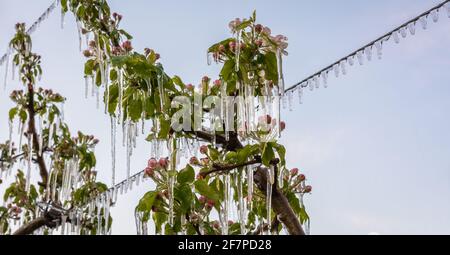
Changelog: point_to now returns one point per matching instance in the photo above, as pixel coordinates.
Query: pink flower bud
(194, 161)
(163, 162)
(203, 149)
(294, 171)
(199, 177)
(190, 87)
(149, 171)
(216, 224)
(302, 177)
(259, 28)
(230, 222)
(87, 53)
(157, 56)
(92, 44)
(308, 189)
(152, 163)
(127, 46)
(202, 199)
(217, 83)
(221, 48)
(282, 125)
(210, 203)
(205, 79)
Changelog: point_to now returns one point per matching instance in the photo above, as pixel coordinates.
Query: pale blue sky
(375, 145)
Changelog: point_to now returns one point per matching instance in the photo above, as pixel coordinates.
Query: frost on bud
(127, 46)
(163, 162)
(190, 87)
(210, 203)
(308, 189)
(149, 171)
(302, 177)
(294, 171)
(92, 44)
(217, 83)
(259, 28)
(203, 149)
(152, 163)
(194, 161)
(87, 53)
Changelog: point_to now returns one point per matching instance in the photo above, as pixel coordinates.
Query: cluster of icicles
(360, 56)
(6, 57)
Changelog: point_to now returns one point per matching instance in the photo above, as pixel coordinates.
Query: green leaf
(204, 189)
(147, 201)
(270, 60)
(135, 109)
(184, 195)
(89, 67)
(227, 69)
(267, 154)
(177, 80)
(187, 175)
(12, 113)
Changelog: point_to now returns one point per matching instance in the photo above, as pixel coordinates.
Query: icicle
(435, 16)
(226, 204)
(351, 60)
(242, 212)
(86, 86)
(250, 184)
(396, 37)
(317, 81)
(113, 149)
(379, 47)
(423, 22)
(63, 14)
(360, 58)
(63, 224)
(29, 162)
(172, 146)
(10, 143)
(300, 95)
(336, 70)
(368, 52)
(280, 72)
(343, 68)
(79, 35)
(6, 69)
(270, 182)
(208, 58)
(412, 28)
(447, 6)
(403, 32)
(238, 50)
(290, 100)
(21, 132)
(281, 178)
(324, 75)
